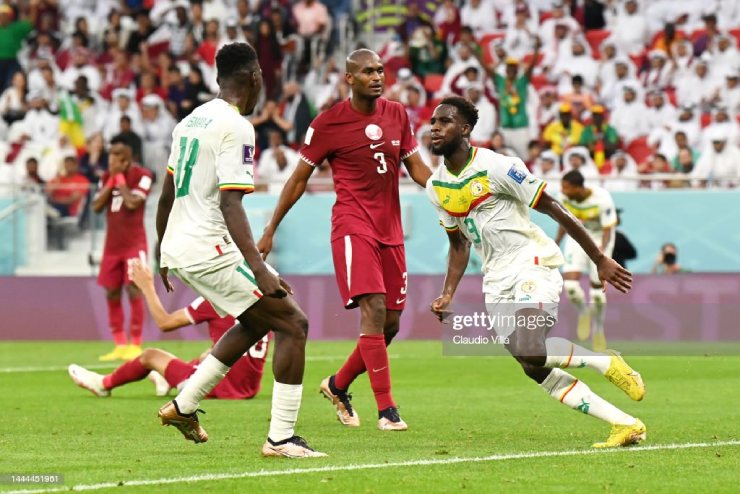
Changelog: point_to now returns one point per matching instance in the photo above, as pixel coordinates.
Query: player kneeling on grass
(241, 382)
(482, 198)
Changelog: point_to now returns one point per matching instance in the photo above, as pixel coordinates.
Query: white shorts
(228, 284)
(523, 287)
(577, 261)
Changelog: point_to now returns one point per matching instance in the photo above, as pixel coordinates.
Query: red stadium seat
(595, 37)
(432, 82)
(539, 81)
(544, 16)
(639, 150)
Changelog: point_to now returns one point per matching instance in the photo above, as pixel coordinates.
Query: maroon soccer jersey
(125, 228)
(365, 154)
(245, 376)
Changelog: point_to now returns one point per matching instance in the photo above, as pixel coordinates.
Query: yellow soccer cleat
(624, 435)
(598, 342)
(117, 354)
(131, 352)
(583, 330)
(625, 377)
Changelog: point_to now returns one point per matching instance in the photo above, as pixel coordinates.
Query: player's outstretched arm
(163, 215)
(418, 170)
(609, 270)
(240, 231)
(166, 321)
(457, 262)
(292, 191)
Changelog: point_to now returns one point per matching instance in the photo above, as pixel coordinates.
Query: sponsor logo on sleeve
(517, 175)
(309, 135)
(247, 154)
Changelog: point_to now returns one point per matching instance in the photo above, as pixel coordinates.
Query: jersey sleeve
(447, 221)
(200, 310)
(143, 184)
(608, 212)
(511, 177)
(235, 160)
(408, 141)
(316, 144)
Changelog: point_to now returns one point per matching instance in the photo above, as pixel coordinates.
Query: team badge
(247, 154)
(528, 286)
(477, 189)
(373, 132)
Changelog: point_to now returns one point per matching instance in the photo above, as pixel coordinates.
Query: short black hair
(464, 107)
(574, 177)
(235, 57)
(577, 79)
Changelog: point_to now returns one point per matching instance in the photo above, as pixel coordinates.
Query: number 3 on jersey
(185, 167)
(381, 159)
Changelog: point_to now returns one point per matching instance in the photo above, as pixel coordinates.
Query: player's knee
(113, 293)
(146, 356)
(598, 297)
(573, 290)
(300, 326)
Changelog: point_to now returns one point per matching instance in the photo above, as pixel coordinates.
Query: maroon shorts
(179, 370)
(363, 265)
(114, 268)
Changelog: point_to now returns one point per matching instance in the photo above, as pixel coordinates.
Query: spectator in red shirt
(66, 192)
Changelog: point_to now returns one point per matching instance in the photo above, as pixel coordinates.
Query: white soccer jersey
(212, 150)
(596, 212)
(489, 202)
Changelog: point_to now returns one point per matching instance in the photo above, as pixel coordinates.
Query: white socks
(598, 309)
(575, 294)
(578, 396)
(286, 401)
(563, 354)
(208, 374)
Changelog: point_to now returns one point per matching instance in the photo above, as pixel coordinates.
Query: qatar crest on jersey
(373, 132)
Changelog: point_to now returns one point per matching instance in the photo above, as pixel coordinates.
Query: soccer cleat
(389, 420)
(625, 377)
(624, 435)
(341, 401)
(583, 330)
(187, 424)
(161, 386)
(293, 447)
(598, 342)
(131, 352)
(117, 354)
(91, 381)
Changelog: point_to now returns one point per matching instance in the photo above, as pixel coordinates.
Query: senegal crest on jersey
(459, 198)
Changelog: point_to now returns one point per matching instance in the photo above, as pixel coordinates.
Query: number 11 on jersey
(185, 167)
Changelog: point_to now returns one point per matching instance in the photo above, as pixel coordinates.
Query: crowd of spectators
(611, 87)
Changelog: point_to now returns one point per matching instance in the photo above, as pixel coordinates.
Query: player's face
(368, 79)
(447, 130)
(570, 191)
(255, 83)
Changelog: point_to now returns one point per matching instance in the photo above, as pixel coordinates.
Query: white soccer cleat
(293, 447)
(161, 386)
(91, 381)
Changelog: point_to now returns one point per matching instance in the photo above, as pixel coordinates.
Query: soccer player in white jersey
(205, 240)
(594, 207)
(482, 198)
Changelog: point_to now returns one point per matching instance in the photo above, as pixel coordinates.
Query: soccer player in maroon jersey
(365, 139)
(242, 381)
(123, 191)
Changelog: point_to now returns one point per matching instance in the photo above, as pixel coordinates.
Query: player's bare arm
(240, 231)
(418, 170)
(163, 214)
(457, 261)
(141, 275)
(292, 191)
(609, 270)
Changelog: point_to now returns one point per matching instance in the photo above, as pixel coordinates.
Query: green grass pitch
(456, 408)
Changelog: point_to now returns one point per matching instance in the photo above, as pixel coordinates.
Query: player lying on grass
(482, 198)
(242, 381)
